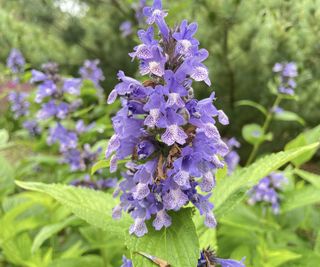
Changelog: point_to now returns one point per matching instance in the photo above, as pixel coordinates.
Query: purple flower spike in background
(267, 191)
(91, 71)
(232, 159)
(287, 72)
(32, 127)
(16, 61)
(171, 138)
(19, 104)
(126, 28)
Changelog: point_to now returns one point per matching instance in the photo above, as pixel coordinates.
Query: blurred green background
(244, 37)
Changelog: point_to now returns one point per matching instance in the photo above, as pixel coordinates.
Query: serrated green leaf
(298, 198)
(289, 116)
(232, 189)
(308, 176)
(253, 104)
(178, 245)
(95, 207)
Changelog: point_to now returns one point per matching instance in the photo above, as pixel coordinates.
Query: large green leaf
(177, 245)
(298, 198)
(84, 261)
(95, 207)
(232, 189)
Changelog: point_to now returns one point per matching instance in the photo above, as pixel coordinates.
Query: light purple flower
(15, 61)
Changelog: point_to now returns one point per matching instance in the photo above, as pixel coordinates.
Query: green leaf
(298, 198)
(48, 231)
(289, 116)
(253, 104)
(4, 137)
(6, 177)
(303, 139)
(308, 176)
(178, 244)
(94, 207)
(102, 164)
(275, 258)
(84, 261)
(232, 189)
(253, 134)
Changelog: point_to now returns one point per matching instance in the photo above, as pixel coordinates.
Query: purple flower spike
(208, 258)
(171, 138)
(267, 191)
(287, 72)
(15, 61)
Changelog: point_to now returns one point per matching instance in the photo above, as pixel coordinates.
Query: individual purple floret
(32, 127)
(101, 184)
(91, 71)
(126, 28)
(19, 104)
(126, 262)
(287, 72)
(208, 258)
(267, 191)
(16, 61)
(232, 159)
(171, 137)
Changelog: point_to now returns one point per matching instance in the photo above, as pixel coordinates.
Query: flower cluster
(208, 258)
(126, 262)
(19, 104)
(287, 72)
(232, 159)
(267, 190)
(171, 137)
(16, 61)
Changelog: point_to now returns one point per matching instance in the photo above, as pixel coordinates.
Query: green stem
(265, 128)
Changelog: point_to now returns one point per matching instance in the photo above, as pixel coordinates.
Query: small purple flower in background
(16, 61)
(277, 110)
(32, 127)
(126, 28)
(126, 262)
(287, 72)
(101, 184)
(91, 71)
(66, 139)
(232, 159)
(19, 104)
(171, 137)
(208, 258)
(267, 191)
(138, 8)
